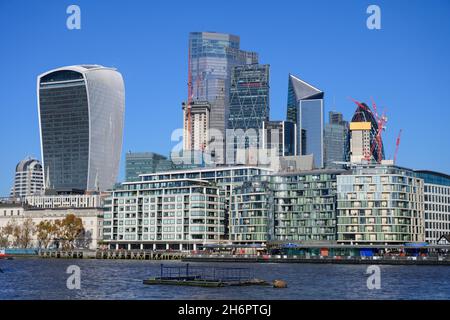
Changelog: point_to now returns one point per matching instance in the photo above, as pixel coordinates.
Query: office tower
(29, 179)
(380, 204)
(249, 97)
(212, 56)
(363, 136)
(279, 138)
(249, 108)
(137, 163)
(335, 140)
(437, 204)
(305, 108)
(81, 111)
(196, 134)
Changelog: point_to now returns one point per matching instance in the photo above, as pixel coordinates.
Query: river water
(34, 278)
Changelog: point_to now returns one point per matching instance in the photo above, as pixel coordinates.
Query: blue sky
(405, 66)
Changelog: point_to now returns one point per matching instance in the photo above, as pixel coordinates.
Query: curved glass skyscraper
(81, 115)
(364, 114)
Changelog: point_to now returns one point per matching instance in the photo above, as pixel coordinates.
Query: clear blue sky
(405, 66)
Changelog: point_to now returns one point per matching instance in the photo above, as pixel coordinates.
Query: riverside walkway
(113, 254)
(388, 260)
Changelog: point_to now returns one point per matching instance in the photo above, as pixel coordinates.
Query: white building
(196, 137)
(437, 205)
(65, 201)
(166, 214)
(28, 179)
(88, 209)
(360, 147)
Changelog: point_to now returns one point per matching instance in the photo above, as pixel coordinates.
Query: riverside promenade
(387, 260)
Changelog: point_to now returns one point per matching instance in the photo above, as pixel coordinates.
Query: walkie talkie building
(81, 115)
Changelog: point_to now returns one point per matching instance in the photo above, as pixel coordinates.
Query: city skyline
(434, 157)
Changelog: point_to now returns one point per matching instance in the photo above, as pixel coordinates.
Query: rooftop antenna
(47, 179)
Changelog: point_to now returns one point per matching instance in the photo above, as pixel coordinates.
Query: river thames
(34, 278)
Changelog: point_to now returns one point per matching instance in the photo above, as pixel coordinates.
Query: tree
(4, 241)
(6, 233)
(23, 233)
(28, 230)
(71, 227)
(45, 232)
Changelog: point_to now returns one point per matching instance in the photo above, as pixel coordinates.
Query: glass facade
(180, 214)
(305, 205)
(311, 120)
(64, 115)
(336, 141)
(251, 218)
(137, 163)
(437, 204)
(305, 109)
(212, 57)
(380, 204)
(81, 121)
(249, 97)
(364, 114)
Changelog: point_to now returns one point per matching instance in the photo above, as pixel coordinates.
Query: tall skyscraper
(81, 114)
(199, 127)
(212, 57)
(335, 140)
(305, 108)
(249, 97)
(363, 136)
(249, 107)
(28, 180)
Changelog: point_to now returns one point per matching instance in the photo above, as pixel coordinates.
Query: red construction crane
(381, 122)
(397, 144)
(189, 102)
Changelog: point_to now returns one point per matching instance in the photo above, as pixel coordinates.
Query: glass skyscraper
(81, 110)
(249, 97)
(249, 106)
(336, 140)
(305, 108)
(212, 57)
(363, 114)
(137, 163)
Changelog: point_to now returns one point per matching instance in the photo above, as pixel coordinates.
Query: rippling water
(34, 278)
